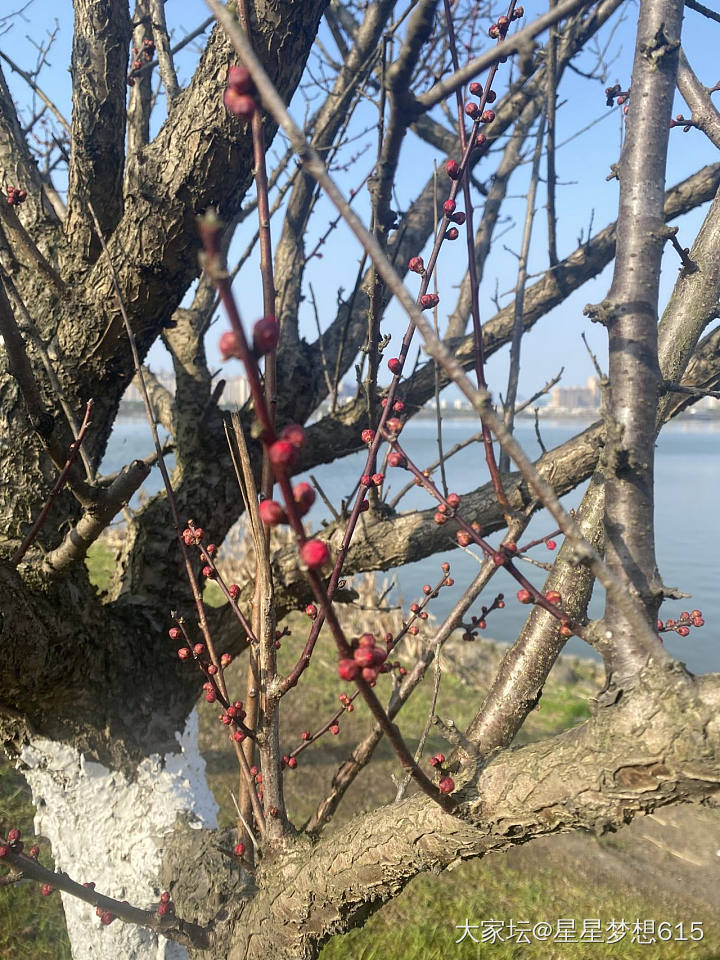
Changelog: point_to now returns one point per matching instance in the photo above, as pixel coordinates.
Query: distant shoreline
(135, 410)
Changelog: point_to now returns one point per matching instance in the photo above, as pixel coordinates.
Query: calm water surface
(687, 481)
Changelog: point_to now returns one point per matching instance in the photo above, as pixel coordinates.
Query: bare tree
(97, 702)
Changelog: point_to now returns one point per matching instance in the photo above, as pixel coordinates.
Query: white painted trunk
(109, 830)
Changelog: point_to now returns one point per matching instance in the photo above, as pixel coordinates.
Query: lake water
(687, 472)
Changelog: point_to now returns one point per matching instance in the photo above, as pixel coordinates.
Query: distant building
(705, 405)
(236, 392)
(576, 398)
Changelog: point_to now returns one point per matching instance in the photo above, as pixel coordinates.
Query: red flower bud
(241, 104)
(446, 785)
(266, 334)
(229, 345)
(394, 365)
(239, 79)
(271, 514)
(282, 454)
(304, 497)
(416, 265)
(314, 554)
(429, 300)
(348, 669)
(452, 168)
(294, 434)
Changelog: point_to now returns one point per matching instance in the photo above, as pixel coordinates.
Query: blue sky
(583, 192)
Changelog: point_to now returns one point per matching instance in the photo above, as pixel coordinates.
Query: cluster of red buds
(445, 511)
(197, 652)
(140, 58)
(446, 784)
(239, 96)
(14, 845)
(15, 196)
(498, 29)
(232, 716)
(480, 623)
(553, 597)
(257, 780)
(680, 121)
(616, 93)
(166, 908)
(273, 513)
(681, 626)
(266, 334)
(368, 660)
(192, 537)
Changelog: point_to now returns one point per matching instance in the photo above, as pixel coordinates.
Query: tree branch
(164, 54)
(17, 163)
(101, 42)
(42, 421)
(704, 114)
(656, 747)
(631, 315)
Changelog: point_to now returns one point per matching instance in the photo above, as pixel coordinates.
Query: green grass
(100, 562)
(32, 927)
(421, 923)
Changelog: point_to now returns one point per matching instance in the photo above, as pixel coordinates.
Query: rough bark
(101, 41)
(659, 746)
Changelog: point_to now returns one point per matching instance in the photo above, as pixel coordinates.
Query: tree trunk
(109, 828)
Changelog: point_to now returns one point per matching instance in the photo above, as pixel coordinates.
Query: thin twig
(517, 333)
